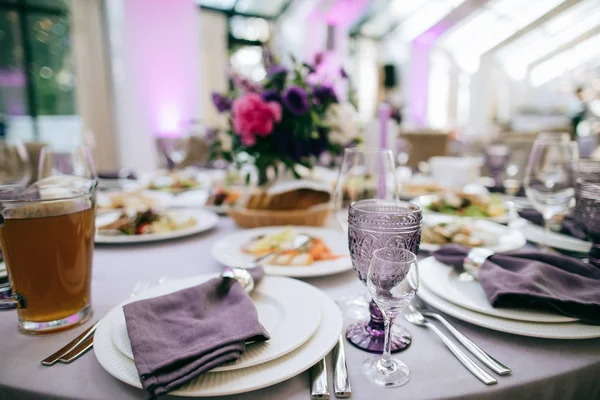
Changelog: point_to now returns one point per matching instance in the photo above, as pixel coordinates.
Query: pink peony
(252, 117)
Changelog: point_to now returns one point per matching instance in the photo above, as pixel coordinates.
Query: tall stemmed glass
(15, 170)
(374, 224)
(364, 174)
(77, 162)
(550, 176)
(392, 280)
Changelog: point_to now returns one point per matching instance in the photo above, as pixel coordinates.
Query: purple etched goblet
(588, 215)
(375, 224)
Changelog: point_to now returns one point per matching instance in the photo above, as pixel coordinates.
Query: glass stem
(386, 357)
(547, 230)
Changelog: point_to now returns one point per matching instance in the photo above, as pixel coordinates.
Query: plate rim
(500, 219)
(181, 284)
(209, 221)
(491, 322)
(432, 260)
(305, 271)
(578, 245)
(331, 328)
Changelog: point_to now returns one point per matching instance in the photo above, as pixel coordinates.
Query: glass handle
(10, 300)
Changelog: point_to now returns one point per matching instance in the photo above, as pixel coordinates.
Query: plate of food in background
(324, 252)
(440, 230)
(465, 205)
(137, 200)
(150, 225)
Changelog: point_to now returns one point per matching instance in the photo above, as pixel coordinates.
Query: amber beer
(48, 248)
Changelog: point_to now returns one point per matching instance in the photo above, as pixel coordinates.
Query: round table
(542, 369)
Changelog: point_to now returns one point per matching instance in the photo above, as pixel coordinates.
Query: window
(37, 82)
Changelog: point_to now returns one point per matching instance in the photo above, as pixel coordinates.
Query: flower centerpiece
(288, 119)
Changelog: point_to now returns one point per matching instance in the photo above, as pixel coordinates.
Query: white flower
(344, 123)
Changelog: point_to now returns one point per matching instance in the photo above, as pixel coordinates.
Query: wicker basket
(314, 216)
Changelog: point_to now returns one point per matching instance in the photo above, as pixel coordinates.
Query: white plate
(205, 220)
(495, 237)
(537, 234)
(228, 251)
(236, 381)
(567, 330)
(446, 283)
(425, 201)
(3, 272)
(289, 322)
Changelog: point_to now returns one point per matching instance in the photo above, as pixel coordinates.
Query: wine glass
(512, 175)
(550, 177)
(374, 224)
(392, 280)
(364, 174)
(75, 163)
(15, 169)
(496, 157)
(174, 149)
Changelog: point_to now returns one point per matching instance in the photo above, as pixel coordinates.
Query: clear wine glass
(15, 169)
(550, 176)
(77, 162)
(174, 149)
(364, 174)
(392, 281)
(512, 175)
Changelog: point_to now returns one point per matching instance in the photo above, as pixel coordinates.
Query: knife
(341, 382)
(77, 351)
(88, 333)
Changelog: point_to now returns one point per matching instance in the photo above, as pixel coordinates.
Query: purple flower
(296, 100)
(343, 73)
(324, 94)
(221, 102)
(271, 95)
(277, 70)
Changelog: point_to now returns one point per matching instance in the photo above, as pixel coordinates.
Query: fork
(477, 351)
(413, 316)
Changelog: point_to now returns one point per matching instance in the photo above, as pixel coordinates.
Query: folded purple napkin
(569, 226)
(176, 337)
(535, 279)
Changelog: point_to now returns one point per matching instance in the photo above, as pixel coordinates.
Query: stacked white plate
(462, 297)
(303, 322)
(3, 273)
(538, 234)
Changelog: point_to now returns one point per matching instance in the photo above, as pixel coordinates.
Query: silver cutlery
(477, 351)
(319, 387)
(341, 382)
(53, 358)
(85, 341)
(415, 317)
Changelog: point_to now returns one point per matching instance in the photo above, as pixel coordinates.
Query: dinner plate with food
(439, 230)
(465, 205)
(319, 252)
(150, 225)
(135, 200)
(175, 182)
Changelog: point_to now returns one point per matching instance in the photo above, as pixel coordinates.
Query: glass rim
(411, 257)
(372, 150)
(415, 208)
(88, 192)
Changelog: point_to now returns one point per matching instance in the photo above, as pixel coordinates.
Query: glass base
(40, 328)
(396, 375)
(363, 336)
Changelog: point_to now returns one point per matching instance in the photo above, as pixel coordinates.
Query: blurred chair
(425, 144)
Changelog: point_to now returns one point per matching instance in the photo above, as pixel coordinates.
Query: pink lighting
(162, 47)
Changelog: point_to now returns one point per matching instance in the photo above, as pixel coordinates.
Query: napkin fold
(177, 337)
(568, 227)
(535, 279)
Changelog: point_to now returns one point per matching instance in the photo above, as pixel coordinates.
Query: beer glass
(47, 237)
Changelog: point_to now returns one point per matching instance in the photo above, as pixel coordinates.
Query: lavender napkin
(175, 338)
(535, 279)
(568, 227)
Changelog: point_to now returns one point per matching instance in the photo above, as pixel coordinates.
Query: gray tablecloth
(542, 369)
